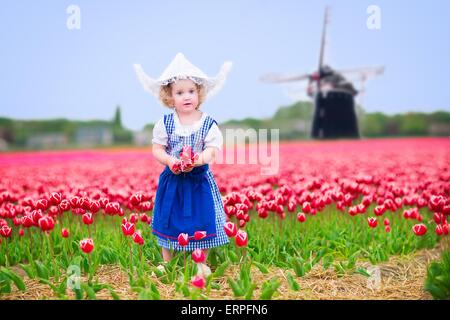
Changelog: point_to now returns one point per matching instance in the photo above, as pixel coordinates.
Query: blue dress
(191, 201)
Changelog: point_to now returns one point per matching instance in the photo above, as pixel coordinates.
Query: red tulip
(301, 217)
(87, 245)
(27, 221)
(198, 255)
(64, 205)
(94, 207)
(420, 229)
(46, 223)
(55, 198)
(136, 199)
(198, 281)
(134, 217)
(36, 215)
(75, 202)
(379, 210)
(262, 213)
(42, 204)
(439, 218)
(306, 207)
(144, 218)
(291, 206)
(387, 228)
(230, 229)
(128, 229)
(65, 233)
(137, 238)
(87, 218)
(21, 232)
(386, 222)
(241, 238)
(5, 231)
(183, 239)
(372, 222)
(199, 235)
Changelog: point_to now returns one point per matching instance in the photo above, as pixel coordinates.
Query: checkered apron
(175, 143)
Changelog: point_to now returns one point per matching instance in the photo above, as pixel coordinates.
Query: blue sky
(50, 71)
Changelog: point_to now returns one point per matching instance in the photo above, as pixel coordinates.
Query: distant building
(47, 140)
(142, 138)
(439, 129)
(91, 136)
(3, 145)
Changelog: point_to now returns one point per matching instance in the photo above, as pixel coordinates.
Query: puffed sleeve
(214, 138)
(159, 133)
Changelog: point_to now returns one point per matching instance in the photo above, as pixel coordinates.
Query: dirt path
(400, 278)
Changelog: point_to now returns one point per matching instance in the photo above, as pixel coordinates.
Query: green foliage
(438, 278)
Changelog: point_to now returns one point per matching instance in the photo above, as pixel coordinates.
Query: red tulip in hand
(187, 159)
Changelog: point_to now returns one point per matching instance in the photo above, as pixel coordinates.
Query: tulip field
(341, 220)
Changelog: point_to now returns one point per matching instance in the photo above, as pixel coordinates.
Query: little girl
(187, 199)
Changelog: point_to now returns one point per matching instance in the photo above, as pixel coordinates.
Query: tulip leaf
(114, 295)
(363, 272)
(42, 270)
(5, 284)
(292, 283)
(238, 291)
(268, 289)
(89, 291)
(221, 269)
(14, 277)
(261, 267)
(28, 270)
(233, 256)
(249, 293)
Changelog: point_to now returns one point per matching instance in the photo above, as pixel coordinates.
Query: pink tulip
(183, 239)
(199, 235)
(241, 238)
(198, 256)
(230, 229)
(198, 281)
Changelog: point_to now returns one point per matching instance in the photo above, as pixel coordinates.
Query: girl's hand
(173, 164)
(188, 169)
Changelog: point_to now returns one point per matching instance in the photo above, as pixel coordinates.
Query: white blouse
(214, 138)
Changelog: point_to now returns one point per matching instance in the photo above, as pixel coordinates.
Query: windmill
(333, 94)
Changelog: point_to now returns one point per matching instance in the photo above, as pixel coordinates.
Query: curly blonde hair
(165, 95)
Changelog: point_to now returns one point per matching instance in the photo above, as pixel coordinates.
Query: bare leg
(167, 256)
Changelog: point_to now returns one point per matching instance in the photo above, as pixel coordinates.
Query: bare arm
(160, 154)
